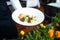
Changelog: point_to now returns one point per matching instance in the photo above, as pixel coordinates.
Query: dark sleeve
(47, 1)
(51, 1)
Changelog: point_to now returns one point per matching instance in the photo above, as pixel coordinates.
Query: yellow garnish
(42, 26)
(22, 32)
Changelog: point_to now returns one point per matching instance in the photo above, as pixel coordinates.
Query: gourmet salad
(26, 18)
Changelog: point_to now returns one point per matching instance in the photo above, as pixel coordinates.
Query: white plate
(29, 11)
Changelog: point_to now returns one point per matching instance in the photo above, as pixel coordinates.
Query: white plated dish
(28, 11)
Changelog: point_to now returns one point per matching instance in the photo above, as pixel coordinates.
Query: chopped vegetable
(26, 18)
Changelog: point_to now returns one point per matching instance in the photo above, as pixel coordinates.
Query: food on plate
(26, 18)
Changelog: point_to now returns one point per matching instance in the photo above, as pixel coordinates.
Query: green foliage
(56, 18)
